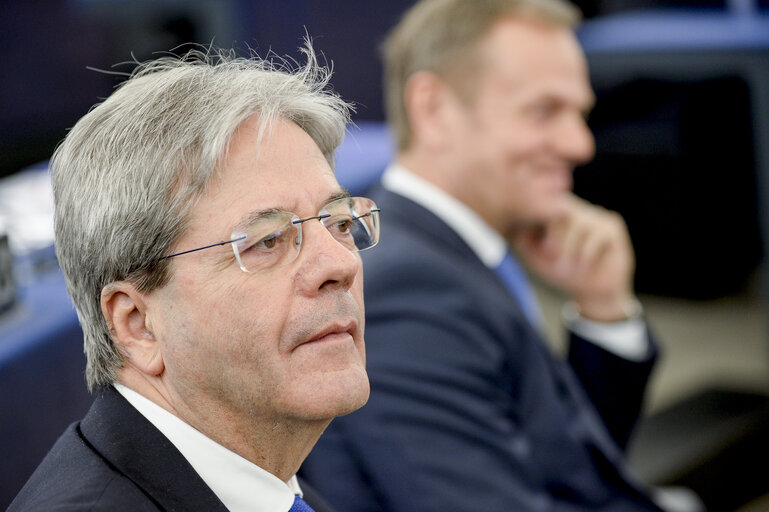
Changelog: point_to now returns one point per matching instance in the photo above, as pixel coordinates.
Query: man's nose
(325, 263)
(575, 140)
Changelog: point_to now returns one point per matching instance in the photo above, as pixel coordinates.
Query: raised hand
(586, 253)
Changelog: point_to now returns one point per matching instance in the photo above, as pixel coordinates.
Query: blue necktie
(514, 278)
(300, 505)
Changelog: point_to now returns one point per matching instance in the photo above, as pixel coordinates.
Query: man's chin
(351, 406)
(354, 398)
(346, 395)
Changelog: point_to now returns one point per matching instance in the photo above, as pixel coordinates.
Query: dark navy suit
(116, 460)
(469, 411)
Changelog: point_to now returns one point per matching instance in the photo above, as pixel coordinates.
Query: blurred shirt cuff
(628, 339)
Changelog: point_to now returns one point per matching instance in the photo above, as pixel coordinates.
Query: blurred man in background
(212, 258)
(469, 410)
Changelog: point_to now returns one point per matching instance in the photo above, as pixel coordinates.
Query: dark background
(687, 187)
(48, 45)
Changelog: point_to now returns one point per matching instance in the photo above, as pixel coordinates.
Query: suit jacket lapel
(128, 441)
(411, 216)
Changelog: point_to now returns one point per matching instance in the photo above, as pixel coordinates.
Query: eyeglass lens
(275, 239)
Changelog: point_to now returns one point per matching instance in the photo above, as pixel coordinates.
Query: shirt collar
(241, 485)
(487, 244)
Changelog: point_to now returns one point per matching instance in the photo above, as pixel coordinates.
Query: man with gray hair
(213, 261)
(469, 410)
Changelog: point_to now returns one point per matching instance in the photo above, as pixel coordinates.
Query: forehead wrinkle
(256, 215)
(262, 213)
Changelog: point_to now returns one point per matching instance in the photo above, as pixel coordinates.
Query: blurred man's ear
(431, 108)
(125, 312)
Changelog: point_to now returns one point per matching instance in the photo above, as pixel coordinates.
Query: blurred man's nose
(575, 140)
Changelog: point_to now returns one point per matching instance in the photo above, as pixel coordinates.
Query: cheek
(253, 315)
(233, 351)
(357, 286)
(360, 299)
(230, 319)
(521, 159)
(500, 150)
(523, 149)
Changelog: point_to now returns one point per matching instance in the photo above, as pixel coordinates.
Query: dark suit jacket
(115, 460)
(469, 411)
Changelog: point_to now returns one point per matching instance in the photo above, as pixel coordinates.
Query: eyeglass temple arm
(368, 214)
(201, 248)
(319, 217)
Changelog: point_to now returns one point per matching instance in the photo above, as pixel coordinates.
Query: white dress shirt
(241, 485)
(626, 339)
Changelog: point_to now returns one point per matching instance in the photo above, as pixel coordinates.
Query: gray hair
(128, 172)
(442, 35)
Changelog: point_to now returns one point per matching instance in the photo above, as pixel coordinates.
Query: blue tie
(514, 278)
(300, 505)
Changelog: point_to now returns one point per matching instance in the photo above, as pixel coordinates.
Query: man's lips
(334, 331)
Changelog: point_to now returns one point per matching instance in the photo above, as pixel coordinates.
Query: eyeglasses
(274, 237)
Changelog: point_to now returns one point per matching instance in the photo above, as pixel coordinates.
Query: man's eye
(269, 243)
(341, 225)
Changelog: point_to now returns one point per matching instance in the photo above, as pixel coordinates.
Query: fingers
(588, 232)
(586, 253)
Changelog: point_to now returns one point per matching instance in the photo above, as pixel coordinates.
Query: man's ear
(429, 101)
(125, 312)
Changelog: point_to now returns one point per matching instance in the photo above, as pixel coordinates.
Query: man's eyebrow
(255, 215)
(342, 193)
